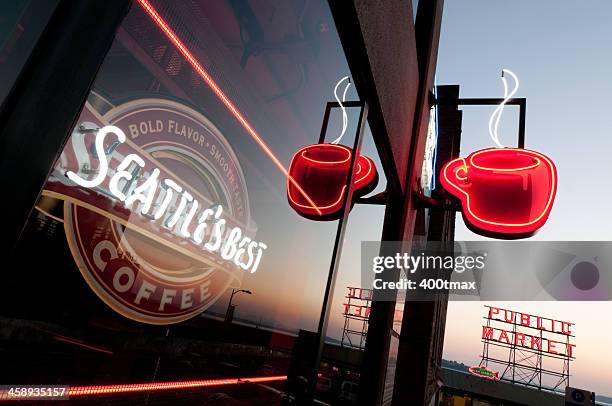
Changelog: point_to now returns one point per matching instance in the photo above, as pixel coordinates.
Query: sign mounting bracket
(423, 201)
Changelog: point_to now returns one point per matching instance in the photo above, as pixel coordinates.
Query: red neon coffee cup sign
(322, 171)
(504, 192)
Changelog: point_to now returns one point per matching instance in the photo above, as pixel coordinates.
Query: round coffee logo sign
(156, 210)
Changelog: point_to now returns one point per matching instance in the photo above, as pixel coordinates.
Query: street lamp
(229, 314)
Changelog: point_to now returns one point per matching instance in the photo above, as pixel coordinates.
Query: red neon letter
(487, 333)
(492, 311)
(565, 328)
(551, 347)
(347, 307)
(536, 342)
(358, 311)
(504, 336)
(525, 319)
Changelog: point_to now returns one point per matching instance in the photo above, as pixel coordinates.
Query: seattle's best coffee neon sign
(186, 220)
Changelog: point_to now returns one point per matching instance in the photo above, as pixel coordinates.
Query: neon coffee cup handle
(456, 172)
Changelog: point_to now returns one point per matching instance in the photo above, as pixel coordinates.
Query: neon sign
(504, 192)
(497, 113)
(164, 386)
(525, 346)
(146, 268)
(534, 341)
(322, 170)
(484, 372)
(185, 219)
(361, 296)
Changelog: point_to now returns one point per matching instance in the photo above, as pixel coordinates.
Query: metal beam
(341, 231)
(422, 333)
(359, 39)
(521, 102)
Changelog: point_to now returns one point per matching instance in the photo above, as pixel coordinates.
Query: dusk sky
(560, 52)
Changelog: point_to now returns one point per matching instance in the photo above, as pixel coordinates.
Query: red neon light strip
(217, 90)
(159, 386)
(80, 344)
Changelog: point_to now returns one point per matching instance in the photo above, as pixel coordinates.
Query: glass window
(163, 247)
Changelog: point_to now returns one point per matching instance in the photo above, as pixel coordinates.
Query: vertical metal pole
(485, 348)
(346, 321)
(541, 360)
(568, 359)
(337, 251)
(328, 108)
(229, 306)
(513, 347)
(522, 113)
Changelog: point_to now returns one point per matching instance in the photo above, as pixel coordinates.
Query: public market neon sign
(536, 341)
(187, 220)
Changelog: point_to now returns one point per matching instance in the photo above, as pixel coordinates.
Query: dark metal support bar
(337, 250)
(328, 107)
(421, 341)
(520, 101)
(325, 123)
(478, 101)
(37, 115)
(379, 199)
(422, 201)
(522, 113)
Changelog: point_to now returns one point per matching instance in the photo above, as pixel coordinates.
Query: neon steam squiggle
(496, 116)
(344, 115)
